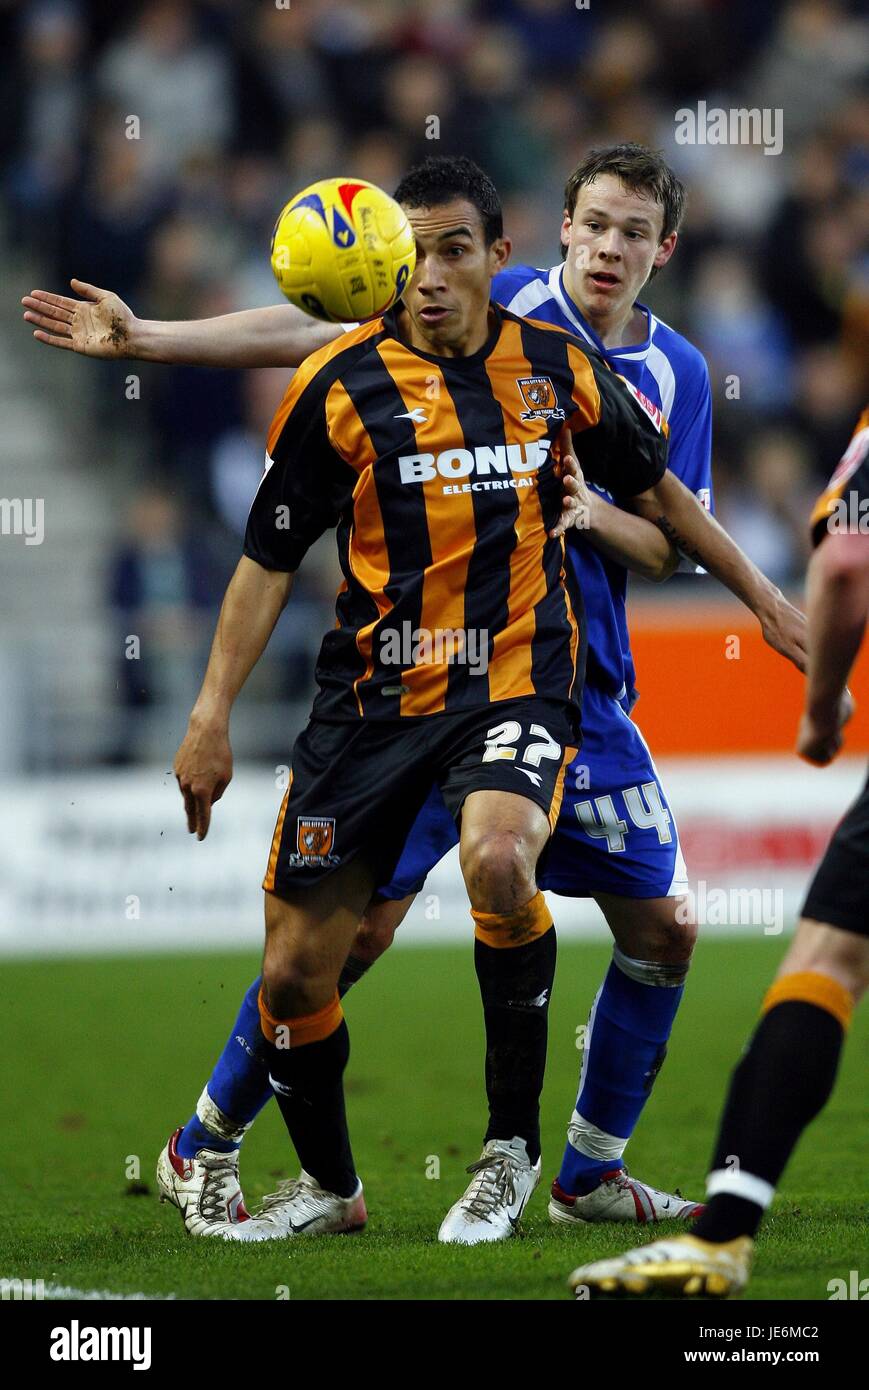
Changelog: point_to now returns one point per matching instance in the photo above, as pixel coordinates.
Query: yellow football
(343, 250)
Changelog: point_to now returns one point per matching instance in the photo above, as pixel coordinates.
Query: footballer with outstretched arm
(616, 837)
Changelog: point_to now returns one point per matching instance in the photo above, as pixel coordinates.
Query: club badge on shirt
(539, 396)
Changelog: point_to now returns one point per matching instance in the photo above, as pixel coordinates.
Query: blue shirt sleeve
(510, 281)
(691, 439)
(691, 432)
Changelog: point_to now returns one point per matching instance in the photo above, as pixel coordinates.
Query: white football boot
(206, 1191)
(619, 1197)
(684, 1267)
(302, 1207)
(492, 1205)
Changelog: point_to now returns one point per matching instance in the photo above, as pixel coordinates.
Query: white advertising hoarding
(102, 862)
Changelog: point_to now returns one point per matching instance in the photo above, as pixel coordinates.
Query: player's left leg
(786, 1076)
(625, 1046)
(782, 1082)
(616, 840)
(514, 955)
(505, 782)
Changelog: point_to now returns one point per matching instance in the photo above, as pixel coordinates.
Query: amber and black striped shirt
(440, 476)
(832, 510)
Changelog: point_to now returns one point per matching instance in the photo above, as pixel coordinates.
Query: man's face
(447, 298)
(613, 242)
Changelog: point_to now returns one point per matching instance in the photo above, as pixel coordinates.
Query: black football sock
(515, 986)
(781, 1084)
(353, 970)
(307, 1078)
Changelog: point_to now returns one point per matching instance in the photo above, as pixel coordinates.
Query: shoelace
(287, 1189)
(623, 1179)
(494, 1186)
(620, 1180)
(222, 1176)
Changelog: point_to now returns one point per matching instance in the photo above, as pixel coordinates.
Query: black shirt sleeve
(303, 491)
(625, 449)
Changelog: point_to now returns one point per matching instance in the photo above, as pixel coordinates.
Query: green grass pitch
(103, 1058)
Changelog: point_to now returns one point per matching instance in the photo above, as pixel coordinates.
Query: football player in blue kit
(616, 839)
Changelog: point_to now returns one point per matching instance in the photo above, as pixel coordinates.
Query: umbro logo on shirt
(417, 415)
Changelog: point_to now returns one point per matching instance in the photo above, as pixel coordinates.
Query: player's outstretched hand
(784, 628)
(576, 498)
(203, 767)
(98, 325)
(819, 741)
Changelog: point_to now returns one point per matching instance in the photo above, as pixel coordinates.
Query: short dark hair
(637, 167)
(442, 178)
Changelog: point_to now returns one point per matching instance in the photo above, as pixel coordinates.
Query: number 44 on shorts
(600, 820)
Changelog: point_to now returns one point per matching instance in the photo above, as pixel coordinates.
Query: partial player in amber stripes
(787, 1073)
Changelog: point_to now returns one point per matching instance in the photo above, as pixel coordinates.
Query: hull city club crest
(538, 394)
(315, 841)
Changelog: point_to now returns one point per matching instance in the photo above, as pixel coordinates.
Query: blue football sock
(626, 1043)
(237, 1089)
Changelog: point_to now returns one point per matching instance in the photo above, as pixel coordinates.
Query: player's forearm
(838, 602)
(697, 535)
(630, 540)
(277, 336)
(251, 607)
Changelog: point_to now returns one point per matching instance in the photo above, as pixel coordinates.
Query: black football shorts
(357, 787)
(839, 893)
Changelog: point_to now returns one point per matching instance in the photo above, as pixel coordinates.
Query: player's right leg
(306, 940)
(308, 933)
(197, 1169)
(369, 829)
(374, 935)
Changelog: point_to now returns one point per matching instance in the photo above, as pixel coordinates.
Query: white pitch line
(41, 1291)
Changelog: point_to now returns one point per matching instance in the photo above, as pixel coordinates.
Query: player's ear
(566, 225)
(499, 253)
(665, 250)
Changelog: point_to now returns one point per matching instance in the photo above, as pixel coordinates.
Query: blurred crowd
(238, 105)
